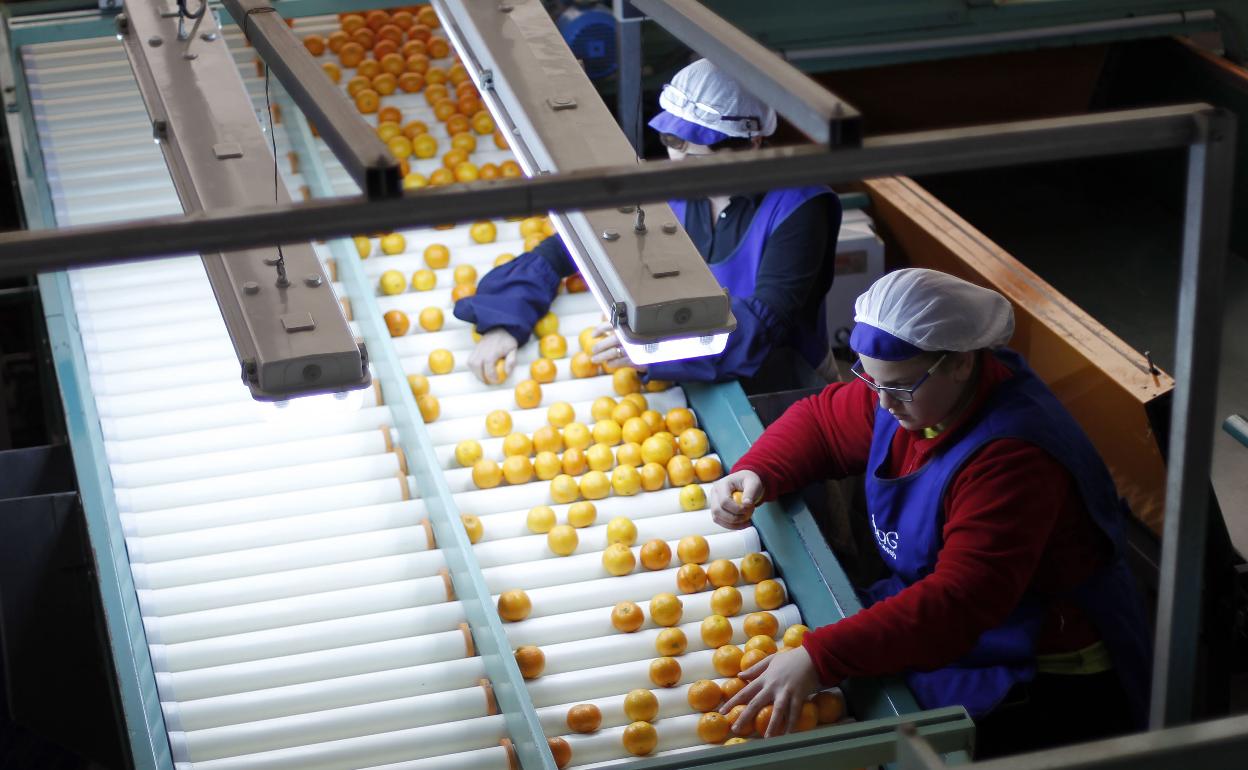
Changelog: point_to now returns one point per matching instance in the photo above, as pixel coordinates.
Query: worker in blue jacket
(773, 252)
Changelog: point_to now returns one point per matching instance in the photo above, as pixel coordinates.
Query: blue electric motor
(590, 32)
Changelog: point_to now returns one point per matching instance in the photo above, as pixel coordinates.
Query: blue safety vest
(907, 517)
(739, 272)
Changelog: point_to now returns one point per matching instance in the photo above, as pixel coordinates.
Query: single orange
(693, 549)
(769, 594)
(397, 322)
(656, 554)
(727, 660)
(713, 727)
(670, 641)
(722, 572)
(639, 738)
(641, 705)
(627, 617)
(732, 686)
(762, 719)
(531, 660)
(705, 695)
(665, 672)
(830, 707)
(716, 631)
(584, 718)
(750, 657)
(735, 713)
(690, 579)
(514, 605)
(726, 601)
(761, 624)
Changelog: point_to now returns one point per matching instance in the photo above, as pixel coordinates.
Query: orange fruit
(357, 84)
(367, 100)
(584, 718)
(429, 407)
(582, 514)
(402, 19)
(486, 474)
(671, 641)
(453, 158)
(656, 554)
(606, 432)
(732, 686)
(666, 609)
(713, 727)
(640, 738)
(634, 430)
(665, 672)
(414, 181)
(543, 370)
(761, 624)
(680, 471)
(830, 707)
(629, 454)
(769, 594)
(721, 572)
(755, 567)
(514, 605)
(807, 718)
(726, 601)
(528, 394)
(462, 290)
(421, 31)
(637, 400)
(562, 539)
(762, 718)
(540, 520)
(473, 526)
(653, 477)
(601, 408)
(415, 48)
(400, 147)
(564, 489)
(708, 469)
(582, 367)
(626, 380)
(531, 660)
(464, 274)
(625, 480)
(794, 634)
(424, 146)
(351, 54)
(704, 695)
(411, 82)
(482, 123)
(490, 171)
(397, 322)
(618, 560)
(727, 660)
(315, 44)
(369, 68)
(431, 319)
(735, 713)
(428, 17)
(385, 84)
(455, 126)
(641, 705)
(716, 631)
(679, 419)
(498, 423)
(466, 172)
(693, 549)
(692, 497)
(750, 657)
(621, 530)
(595, 485)
(439, 48)
(510, 169)
(553, 346)
(546, 465)
(561, 413)
(547, 439)
(600, 458)
(655, 450)
(627, 617)
(690, 579)
(517, 469)
(336, 41)
(560, 750)
(332, 71)
(693, 443)
(441, 361)
(500, 141)
(419, 384)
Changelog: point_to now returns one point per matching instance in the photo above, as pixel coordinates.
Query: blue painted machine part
(590, 33)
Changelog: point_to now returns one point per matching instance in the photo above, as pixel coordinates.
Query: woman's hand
(608, 351)
(785, 680)
(495, 345)
(729, 512)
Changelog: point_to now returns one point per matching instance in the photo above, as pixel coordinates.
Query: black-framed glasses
(681, 145)
(901, 394)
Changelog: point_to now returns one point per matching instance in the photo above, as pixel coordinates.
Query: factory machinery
(313, 583)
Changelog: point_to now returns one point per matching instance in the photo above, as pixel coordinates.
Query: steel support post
(1210, 163)
(628, 72)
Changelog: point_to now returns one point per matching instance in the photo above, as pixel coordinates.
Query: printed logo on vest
(887, 540)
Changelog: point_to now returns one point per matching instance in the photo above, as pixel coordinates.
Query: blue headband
(667, 123)
(876, 343)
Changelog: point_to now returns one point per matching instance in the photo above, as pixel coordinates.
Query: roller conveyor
(297, 610)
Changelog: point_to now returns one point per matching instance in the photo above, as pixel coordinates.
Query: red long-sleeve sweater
(1014, 520)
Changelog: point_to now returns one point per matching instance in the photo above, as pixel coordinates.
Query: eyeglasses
(681, 145)
(901, 394)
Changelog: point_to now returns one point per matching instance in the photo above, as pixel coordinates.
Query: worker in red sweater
(1007, 592)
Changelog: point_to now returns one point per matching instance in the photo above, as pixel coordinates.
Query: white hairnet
(706, 96)
(930, 311)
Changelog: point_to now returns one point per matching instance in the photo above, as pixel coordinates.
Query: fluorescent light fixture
(674, 349)
(645, 273)
(313, 407)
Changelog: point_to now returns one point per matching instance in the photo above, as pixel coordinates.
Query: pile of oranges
(395, 51)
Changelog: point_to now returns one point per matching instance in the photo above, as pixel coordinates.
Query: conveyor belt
(297, 610)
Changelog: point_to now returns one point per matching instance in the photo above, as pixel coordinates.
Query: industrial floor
(1107, 235)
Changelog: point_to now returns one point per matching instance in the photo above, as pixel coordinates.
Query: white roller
(592, 540)
(647, 505)
(331, 724)
(493, 758)
(607, 745)
(147, 316)
(339, 692)
(255, 483)
(297, 610)
(445, 431)
(415, 743)
(184, 518)
(456, 336)
(639, 645)
(282, 585)
(258, 434)
(407, 541)
(278, 531)
(602, 681)
(552, 570)
(209, 464)
(596, 622)
(311, 666)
